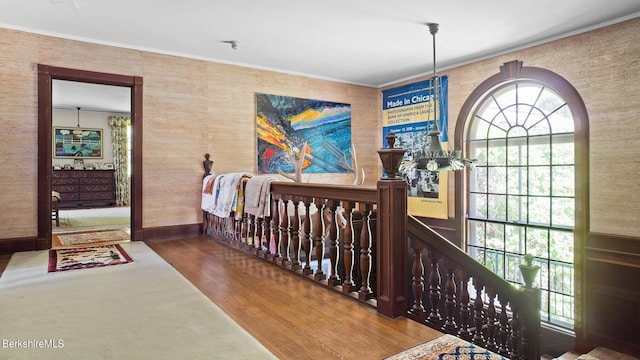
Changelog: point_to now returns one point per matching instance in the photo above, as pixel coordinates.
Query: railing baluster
(478, 314)
(284, 233)
(257, 239)
(266, 250)
(306, 237)
(333, 279)
(294, 229)
(365, 292)
(491, 320)
(465, 307)
(417, 281)
(503, 333)
(515, 331)
(347, 285)
(251, 235)
(318, 238)
(450, 298)
(275, 227)
(434, 288)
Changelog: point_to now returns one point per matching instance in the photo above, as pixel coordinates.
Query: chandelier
(435, 158)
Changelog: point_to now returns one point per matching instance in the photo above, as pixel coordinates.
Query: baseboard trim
(12, 245)
(172, 232)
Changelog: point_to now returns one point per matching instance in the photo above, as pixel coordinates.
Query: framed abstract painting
(289, 127)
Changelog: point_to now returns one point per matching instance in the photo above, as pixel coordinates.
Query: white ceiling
(364, 42)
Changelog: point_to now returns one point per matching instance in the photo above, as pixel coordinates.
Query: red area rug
(446, 347)
(86, 258)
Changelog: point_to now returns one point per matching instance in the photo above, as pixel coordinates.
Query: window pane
(539, 180)
(563, 181)
(539, 210)
(478, 151)
(478, 180)
(517, 151)
(561, 245)
(476, 233)
(517, 208)
(497, 180)
(514, 241)
(539, 151)
(497, 207)
(495, 236)
(478, 205)
(538, 124)
(563, 212)
(517, 180)
(549, 101)
(562, 120)
(497, 132)
(562, 149)
(497, 153)
(479, 129)
(512, 267)
(537, 242)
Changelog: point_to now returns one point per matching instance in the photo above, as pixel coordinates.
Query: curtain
(119, 139)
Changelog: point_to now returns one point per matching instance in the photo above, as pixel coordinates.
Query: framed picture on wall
(70, 144)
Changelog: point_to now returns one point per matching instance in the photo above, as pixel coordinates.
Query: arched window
(521, 197)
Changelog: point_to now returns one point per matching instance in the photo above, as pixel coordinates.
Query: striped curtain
(119, 126)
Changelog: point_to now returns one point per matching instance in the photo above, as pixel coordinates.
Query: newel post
(393, 288)
(530, 332)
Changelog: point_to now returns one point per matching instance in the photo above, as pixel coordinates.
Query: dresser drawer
(97, 196)
(97, 180)
(72, 196)
(66, 188)
(92, 188)
(63, 181)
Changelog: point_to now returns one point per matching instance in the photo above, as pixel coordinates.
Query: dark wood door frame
(46, 75)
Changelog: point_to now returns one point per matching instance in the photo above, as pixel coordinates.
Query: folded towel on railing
(258, 195)
(226, 192)
(208, 199)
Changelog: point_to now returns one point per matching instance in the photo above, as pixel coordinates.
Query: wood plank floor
(292, 317)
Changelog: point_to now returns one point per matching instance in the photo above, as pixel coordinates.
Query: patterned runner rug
(446, 347)
(85, 258)
(92, 237)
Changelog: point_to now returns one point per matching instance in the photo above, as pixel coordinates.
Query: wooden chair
(55, 201)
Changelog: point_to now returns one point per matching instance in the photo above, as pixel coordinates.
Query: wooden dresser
(84, 188)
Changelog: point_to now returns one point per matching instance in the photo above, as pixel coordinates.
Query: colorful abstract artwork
(289, 127)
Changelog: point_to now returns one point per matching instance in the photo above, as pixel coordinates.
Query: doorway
(46, 75)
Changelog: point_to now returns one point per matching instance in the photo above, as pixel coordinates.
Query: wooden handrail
(419, 231)
(501, 317)
(364, 194)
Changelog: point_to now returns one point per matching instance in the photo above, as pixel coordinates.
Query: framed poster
(319, 131)
(409, 112)
(66, 144)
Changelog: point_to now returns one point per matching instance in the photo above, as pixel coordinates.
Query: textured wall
(190, 107)
(193, 106)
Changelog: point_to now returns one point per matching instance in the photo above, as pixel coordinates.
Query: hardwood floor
(292, 317)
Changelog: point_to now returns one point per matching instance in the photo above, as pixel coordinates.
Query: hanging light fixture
(435, 158)
(78, 131)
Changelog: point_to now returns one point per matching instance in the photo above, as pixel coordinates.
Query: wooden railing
(361, 242)
(458, 295)
(297, 238)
